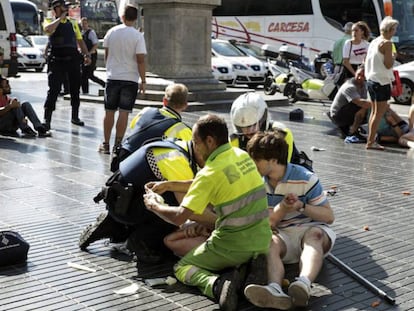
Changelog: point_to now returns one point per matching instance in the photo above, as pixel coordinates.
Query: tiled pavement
(47, 186)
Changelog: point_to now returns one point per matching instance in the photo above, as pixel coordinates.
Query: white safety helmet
(249, 110)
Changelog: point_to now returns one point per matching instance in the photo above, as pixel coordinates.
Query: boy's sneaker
(104, 148)
(226, 288)
(28, 132)
(267, 297)
(299, 291)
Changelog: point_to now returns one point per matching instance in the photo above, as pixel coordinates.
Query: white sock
(305, 280)
(276, 286)
(410, 144)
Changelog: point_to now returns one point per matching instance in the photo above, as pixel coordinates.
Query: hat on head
(56, 3)
(348, 27)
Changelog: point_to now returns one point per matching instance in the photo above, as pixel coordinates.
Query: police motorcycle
(301, 82)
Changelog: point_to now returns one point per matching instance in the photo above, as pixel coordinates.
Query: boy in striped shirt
(299, 217)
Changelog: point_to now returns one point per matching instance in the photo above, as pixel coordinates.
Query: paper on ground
(131, 289)
(80, 267)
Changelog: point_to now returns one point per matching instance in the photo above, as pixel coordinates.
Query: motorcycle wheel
(269, 87)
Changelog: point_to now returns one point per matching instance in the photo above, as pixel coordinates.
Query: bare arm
(175, 186)
(51, 27)
(411, 115)
(176, 215)
(141, 70)
(11, 105)
(85, 52)
(363, 103)
(386, 49)
(291, 203)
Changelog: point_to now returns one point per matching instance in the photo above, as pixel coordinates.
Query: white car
(39, 42)
(28, 56)
(249, 70)
(222, 70)
(406, 72)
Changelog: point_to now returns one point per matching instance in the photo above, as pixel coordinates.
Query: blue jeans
(15, 118)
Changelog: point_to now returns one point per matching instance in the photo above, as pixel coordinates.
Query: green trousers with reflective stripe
(200, 266)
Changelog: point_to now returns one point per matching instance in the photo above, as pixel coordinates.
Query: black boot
(47, 119)
(75, 117)
(226, 288)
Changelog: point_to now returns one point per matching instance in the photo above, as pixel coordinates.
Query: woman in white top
(355, 49)
(379, 74)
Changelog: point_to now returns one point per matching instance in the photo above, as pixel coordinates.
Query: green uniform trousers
(199, 267)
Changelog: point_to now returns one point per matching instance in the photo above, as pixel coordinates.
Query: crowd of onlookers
(365, 78)
(203, 193)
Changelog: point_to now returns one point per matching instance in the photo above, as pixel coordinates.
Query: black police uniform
(87, 70)
(64, 58)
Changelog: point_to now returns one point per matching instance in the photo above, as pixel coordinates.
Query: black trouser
(87, 73)
(57, 69)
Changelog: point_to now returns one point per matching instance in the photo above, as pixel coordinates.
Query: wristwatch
(302, 209)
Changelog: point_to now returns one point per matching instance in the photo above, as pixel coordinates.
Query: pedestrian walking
(64, 59)
(91, 40)
(125, 52)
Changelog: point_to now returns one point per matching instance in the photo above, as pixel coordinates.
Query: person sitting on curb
(249, 114)
(13, 114)
(155, 123)
(349, 107)
(230, 183)
(299, 217)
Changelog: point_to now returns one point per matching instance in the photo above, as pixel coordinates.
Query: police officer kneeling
(127, 217)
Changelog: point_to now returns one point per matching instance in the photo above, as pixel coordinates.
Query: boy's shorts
(292, 236)
(120, 95)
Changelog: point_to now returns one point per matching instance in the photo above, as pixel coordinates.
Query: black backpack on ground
(13, 248)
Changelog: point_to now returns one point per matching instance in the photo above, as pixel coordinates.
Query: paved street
(48, 185)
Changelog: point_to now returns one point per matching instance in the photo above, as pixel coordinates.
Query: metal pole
(360, 278)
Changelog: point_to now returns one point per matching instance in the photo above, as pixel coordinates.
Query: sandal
(375, 146)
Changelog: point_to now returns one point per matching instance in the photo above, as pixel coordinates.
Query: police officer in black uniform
(91, 41)
(64, 58)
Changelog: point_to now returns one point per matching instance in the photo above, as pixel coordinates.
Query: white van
(8, 44)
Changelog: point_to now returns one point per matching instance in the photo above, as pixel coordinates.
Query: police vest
(88, 42)
(151, 126)
(124, 190)
(136, 170)
(63, 41)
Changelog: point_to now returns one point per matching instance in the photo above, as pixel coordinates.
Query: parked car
(39, 42)
(406, 72)
(100, 61)
(222, 70)
(28, 56)
(249, 70)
